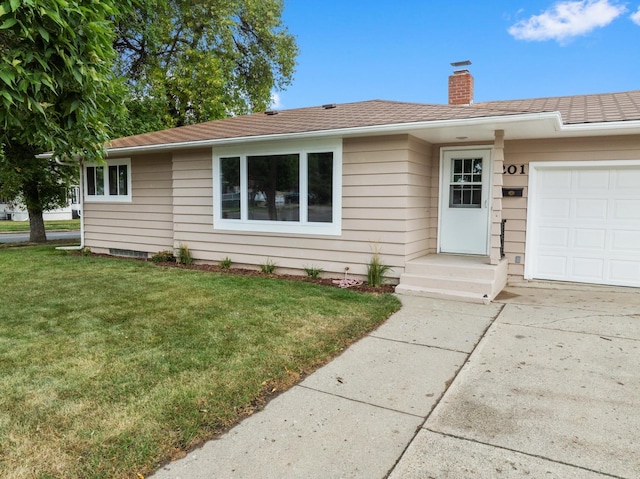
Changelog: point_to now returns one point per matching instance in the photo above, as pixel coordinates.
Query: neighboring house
(457, 198)
(18, 212)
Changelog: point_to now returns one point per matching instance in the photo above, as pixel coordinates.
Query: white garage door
(585, 224)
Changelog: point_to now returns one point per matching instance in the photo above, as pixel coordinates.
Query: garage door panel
(592, 179)
(627, 179)
(625, 241)
(586, 269)
(624, 273)
(627, 209)
(553, 267)
(554, 181)
(592, 209)
(586, 224)
(556, 208)
(554, 236)
(590, 238)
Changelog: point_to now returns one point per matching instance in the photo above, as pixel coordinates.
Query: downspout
(76, 248)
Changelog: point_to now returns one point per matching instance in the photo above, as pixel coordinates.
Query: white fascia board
(553, 117)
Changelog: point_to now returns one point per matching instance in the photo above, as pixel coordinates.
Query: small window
(108, 183)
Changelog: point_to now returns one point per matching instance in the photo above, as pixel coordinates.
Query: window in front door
(465, 183)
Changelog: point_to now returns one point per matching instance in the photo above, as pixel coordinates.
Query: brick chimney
(461, 85)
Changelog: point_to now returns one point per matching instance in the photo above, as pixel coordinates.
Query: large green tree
(56, 94)
(187, 61)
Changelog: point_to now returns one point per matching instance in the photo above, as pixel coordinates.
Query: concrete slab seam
(441, 309)
(564, 307)
(358, 401)
(455, 375)
(537, 456)
(440, 348)
(586, 333)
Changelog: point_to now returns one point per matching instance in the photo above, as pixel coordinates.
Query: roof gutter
(603, 126)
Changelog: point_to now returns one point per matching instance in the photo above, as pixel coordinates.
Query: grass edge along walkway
(110, 367)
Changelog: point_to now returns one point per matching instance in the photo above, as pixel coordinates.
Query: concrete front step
(441, 294)
(452, 267)
(448, 283)
(466, 278)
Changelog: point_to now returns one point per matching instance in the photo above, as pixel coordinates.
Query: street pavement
(51, 235)
(543, 382)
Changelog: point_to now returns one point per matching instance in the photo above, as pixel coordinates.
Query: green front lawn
(109, 366)
(55, 225)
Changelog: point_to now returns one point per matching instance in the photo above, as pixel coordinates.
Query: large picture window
(111, 182)
(288, 191)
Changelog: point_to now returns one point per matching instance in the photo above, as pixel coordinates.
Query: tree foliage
(68, 67)
(187, 61)
(56, 90)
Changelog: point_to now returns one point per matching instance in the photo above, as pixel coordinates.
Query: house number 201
(513, 170)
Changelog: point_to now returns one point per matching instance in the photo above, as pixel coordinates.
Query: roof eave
(552, 119)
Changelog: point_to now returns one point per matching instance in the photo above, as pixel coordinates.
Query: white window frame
(287, 227)
(106, 197)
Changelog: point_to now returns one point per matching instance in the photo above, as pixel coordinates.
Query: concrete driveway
(552, 390)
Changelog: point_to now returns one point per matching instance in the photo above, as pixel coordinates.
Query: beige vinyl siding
(145, 224)
(192, 196)
(524, 152)
(420, 200)
(379, 174)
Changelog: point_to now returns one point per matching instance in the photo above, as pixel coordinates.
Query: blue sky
(354, 50)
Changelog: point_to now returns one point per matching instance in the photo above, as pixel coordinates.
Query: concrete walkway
(551, 390)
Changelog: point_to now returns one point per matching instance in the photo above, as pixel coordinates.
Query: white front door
(464, 201)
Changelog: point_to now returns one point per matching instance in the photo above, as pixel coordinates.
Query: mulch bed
(363, 288)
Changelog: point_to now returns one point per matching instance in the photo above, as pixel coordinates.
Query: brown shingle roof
(574, 109)
(602, 108)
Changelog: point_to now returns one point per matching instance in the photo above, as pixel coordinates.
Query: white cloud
(568, 19)
(636, 17)
(276, 103)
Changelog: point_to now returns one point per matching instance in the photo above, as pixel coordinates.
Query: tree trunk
(37, 234)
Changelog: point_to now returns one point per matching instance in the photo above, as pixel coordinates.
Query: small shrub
(313, 272)
(268, 267)
(184, 255)
(165, 256)
(225, 263)
(376, 270)
(86, 251)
